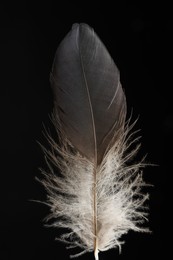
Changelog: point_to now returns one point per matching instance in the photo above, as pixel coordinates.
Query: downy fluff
(94, 193)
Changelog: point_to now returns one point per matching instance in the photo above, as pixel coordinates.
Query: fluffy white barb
(119, 200)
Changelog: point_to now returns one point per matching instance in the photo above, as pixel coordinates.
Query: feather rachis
(94, 159)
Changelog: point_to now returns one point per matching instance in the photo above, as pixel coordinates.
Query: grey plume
(97, 195)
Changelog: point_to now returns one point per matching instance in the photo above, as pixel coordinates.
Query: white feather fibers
(119, 199)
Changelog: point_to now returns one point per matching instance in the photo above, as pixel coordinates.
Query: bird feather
(97, 195)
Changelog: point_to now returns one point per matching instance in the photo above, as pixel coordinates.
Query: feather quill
(96, 196)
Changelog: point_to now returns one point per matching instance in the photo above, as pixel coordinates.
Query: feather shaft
(95, 213)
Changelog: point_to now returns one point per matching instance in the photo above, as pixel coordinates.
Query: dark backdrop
(138, 35)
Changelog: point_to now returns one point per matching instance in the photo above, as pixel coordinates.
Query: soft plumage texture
(97, 195)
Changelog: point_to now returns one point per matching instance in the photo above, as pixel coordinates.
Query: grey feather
(97, 197)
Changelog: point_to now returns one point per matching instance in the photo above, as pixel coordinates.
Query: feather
(97, 196)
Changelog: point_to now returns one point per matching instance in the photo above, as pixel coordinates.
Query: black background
(138, 35)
